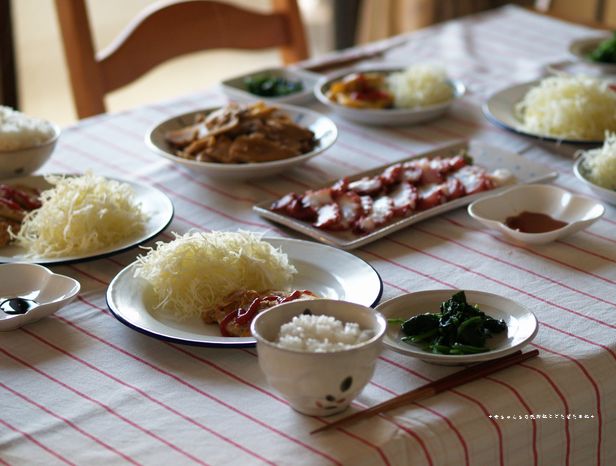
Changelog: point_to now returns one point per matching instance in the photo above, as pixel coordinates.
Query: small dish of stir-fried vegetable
(453, 327)
(459, 328)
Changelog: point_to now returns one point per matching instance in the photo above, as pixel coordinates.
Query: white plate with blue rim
(328, 272)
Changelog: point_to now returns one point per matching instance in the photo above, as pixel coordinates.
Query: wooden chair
(166, 30)
(599, 14)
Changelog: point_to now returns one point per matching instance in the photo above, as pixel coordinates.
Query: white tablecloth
(81, 388)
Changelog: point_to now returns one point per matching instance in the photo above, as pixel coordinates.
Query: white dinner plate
(489, 157)
(499, 109)
(324, 129)
(385, 116)
(155, 204)
(326, 271)
(521, 324)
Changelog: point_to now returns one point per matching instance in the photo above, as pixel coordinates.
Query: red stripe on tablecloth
(494, 280)
(597, 394)
(151, 398)
(588, 376)
(263, 391)
(36, 442)
(565, 406)
(406, 429)
(524, 269)
(183, 173)
(586, 373)
(532, 251)
(525, 404)
(436, 413)
(174, 377)
(104, 406)
(70, 423)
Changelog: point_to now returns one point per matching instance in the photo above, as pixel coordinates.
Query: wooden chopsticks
(446, 383)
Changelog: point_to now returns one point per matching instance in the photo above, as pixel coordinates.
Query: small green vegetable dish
(605, 51)
(459, 328)
(268, 85)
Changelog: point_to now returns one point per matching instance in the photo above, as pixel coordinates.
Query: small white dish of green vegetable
(273, 85)
(599, 52)
(521, 324)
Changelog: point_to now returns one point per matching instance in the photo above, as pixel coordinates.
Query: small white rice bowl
(20, 131)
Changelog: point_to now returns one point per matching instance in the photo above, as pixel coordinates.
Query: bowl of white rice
(419, 93)
(26, 142)
(319, 354)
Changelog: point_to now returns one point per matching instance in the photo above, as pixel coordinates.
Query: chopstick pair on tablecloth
(446, 383)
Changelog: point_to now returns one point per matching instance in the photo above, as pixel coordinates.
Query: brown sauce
(533, 222)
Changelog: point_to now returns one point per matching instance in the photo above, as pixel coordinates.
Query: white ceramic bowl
(607, 195)
(578, 212)
(318, 384)
(24, 161)
(386, 116)
(325, 131)
(581, 48)
(236, 87)
(30, 281)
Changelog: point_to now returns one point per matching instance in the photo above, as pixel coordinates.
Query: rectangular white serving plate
(236, 89)
(524, 171)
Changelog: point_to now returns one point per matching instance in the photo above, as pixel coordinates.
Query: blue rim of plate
(218, 344)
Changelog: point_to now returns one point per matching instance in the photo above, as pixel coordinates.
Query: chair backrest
(595, 13)
(166, 30)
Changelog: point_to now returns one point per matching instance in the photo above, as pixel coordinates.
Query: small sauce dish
(541, 208)
(29, 292)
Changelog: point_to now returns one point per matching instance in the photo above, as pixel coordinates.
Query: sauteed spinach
(459, 328)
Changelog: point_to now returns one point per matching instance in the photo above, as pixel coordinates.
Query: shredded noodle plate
(569, 107)
(197, 270)
(81, 214)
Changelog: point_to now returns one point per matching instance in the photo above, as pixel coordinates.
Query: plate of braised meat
(356, 210)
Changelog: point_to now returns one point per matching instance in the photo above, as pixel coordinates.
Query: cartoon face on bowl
(325, 381)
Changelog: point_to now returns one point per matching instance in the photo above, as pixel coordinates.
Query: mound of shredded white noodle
(569, 107)
(81, 214)
(197, 270)
(600, 164)
(419, 86)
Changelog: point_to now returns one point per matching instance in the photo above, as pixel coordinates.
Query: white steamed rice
(19, 131)
(320, 334)
(419, 86)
